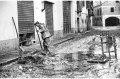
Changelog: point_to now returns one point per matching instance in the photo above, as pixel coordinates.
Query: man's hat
(37, 23)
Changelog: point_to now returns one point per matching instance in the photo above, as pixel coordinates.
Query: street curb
(9, 61)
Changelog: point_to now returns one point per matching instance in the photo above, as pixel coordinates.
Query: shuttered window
(25, 17)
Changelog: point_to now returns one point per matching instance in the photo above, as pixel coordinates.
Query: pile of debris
(38, 67)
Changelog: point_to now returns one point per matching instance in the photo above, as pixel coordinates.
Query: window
(112, 9)
(97, 12)
(100, 11)
(83, 3)
(82, 21)
(79, 7)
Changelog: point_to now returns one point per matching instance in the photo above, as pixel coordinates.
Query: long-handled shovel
(20, 49)
(38, 38)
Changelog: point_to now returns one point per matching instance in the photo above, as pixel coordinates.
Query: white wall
(58, 15)
(58, 19)
(8, 9)
(38, 14)
(74, 16)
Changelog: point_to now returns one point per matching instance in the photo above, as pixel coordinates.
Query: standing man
(45, 35)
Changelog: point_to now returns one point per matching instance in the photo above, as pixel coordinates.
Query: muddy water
(75, 64)
(72, 65)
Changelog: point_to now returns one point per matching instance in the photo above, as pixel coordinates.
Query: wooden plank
(102, 45)
(115, 46)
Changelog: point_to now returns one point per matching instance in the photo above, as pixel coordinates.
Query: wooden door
(49, 16)
(66, 17)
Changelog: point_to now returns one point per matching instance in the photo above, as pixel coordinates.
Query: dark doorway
(88, 21)
(78, 25)
(112, 21)
(49, 16)
(66, 17)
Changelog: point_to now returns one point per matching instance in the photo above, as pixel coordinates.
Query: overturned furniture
(108, 42)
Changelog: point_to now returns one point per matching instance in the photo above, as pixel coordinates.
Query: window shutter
(25, 17)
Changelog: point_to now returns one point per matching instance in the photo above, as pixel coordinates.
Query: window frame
(112, 9)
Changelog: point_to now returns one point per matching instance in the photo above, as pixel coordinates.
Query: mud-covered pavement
(70, 62)
(56, 68)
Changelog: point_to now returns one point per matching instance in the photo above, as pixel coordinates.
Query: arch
(112, 21)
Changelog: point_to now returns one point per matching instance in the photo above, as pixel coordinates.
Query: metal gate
(66, 17)
(49, 16)
(25, 21)
(25, 17)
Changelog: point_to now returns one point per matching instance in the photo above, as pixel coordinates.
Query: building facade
(60, 17)
(8, 37)
(106, 14)
(84, 9)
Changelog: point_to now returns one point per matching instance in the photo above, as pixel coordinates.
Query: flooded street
(65, 67)
(71, 61)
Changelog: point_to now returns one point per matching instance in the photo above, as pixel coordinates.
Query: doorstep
(8, 58)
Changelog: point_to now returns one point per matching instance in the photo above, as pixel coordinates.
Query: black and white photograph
(59, 38)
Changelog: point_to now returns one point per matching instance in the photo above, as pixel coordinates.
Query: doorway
(112, 21)
(66, 17)
(49, 16)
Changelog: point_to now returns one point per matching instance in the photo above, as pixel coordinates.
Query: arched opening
(112, 21)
